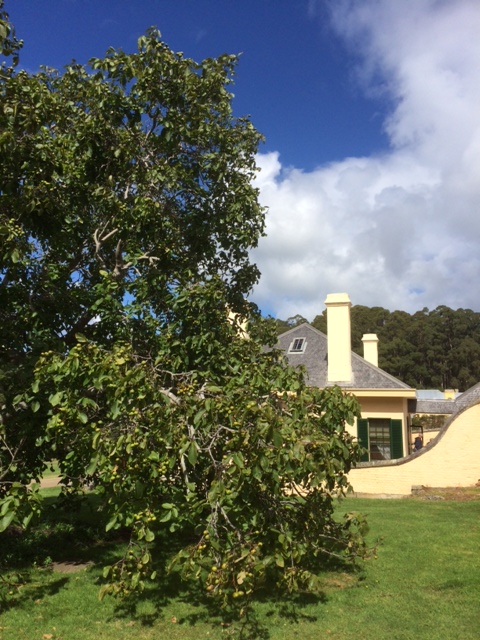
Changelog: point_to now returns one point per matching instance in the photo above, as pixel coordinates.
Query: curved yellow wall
(453, 460)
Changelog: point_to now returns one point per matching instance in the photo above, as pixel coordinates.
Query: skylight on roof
(298, 345)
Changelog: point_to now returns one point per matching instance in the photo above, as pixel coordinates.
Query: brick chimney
(339, 338)
(370, 348)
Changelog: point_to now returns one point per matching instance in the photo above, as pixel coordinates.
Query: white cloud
(400, 230)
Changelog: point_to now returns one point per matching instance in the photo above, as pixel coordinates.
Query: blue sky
(294, 76)
(371, 164)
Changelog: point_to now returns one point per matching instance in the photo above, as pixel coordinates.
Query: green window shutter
(362, 436)
(396, 439)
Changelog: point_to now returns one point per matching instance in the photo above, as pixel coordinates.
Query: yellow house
(384, 428)
(452, 459)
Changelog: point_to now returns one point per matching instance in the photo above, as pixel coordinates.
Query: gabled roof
(314, 359)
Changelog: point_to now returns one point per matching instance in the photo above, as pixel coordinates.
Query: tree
(290, 323)
(9, 43)
(127, 218)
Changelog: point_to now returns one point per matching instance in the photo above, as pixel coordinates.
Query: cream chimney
(339, 339)
(240, 325)
(370, 348)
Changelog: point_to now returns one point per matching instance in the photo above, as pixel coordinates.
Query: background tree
(289, 323)
(127, 216)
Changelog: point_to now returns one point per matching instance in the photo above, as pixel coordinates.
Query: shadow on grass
(75, 532)
(38, 590)
(68, 533)
(247, 622)
(195, 607)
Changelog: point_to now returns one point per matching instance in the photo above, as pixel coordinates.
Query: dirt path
(48, 483)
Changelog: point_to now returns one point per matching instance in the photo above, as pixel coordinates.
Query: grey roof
(464, 400)
(441, 407)
(314, 359)
(468, 398)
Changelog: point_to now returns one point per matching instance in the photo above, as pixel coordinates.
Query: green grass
(51, 470)
(424, 584)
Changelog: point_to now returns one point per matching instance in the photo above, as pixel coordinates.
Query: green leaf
(135, 579)
(92, 467)
(115, 410)
(112, 523)
(279, 560)
(139, 489)
(149, 535)
(6, 520)
(192, 453)
(198, 416)
(27, 519)
(237, 459)
(96, 437)
(55, 398)
(211, 388)
(7, 506)
(277, 438)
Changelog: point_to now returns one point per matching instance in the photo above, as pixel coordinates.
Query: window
(379, 435)
(298, 345)
(382, 438)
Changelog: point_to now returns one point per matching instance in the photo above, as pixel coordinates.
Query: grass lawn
(424, 584)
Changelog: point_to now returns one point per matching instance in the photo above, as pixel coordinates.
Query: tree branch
(99, 239)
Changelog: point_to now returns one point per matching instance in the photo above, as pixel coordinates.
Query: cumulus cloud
(402, 229)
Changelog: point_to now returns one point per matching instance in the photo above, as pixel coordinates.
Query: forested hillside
(438, 349)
